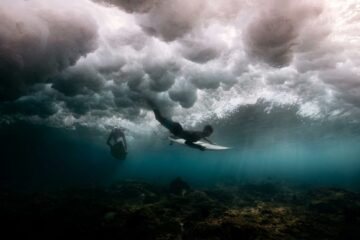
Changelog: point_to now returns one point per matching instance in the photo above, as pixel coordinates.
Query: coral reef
(138, 210)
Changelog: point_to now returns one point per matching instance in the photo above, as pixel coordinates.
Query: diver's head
(208, 130)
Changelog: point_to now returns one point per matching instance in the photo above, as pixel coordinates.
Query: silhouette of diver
(177, 130)
(117, 143)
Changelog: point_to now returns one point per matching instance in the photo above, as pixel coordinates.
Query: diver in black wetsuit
(117, 143)
(190, 136)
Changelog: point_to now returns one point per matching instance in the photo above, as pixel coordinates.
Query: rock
(135, 192)
(179, 187)
(137, 210)
(265, 188)
(109, 216)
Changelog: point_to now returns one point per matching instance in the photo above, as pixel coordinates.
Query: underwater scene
(184, 120)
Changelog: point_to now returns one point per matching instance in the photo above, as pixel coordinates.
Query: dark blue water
(278, 146)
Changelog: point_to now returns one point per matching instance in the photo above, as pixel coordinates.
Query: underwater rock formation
(179, 187)
(138, 210)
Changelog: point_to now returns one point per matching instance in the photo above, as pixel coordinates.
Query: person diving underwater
(117, 143)
(190, 137)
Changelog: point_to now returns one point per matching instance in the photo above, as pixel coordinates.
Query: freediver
(117, 143)
(177, 130)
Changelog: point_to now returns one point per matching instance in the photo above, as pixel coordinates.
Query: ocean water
(298, 175)
(277, 145)
(278, 80)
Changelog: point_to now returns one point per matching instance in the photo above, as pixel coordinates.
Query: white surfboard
(206, 145)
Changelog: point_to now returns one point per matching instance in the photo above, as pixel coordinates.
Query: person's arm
(207, 140)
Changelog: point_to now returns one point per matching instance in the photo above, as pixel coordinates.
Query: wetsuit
(177, 130)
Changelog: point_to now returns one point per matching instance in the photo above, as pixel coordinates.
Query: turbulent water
(278, 80)
(277, 145)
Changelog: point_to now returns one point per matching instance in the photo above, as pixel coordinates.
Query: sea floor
(138, 210)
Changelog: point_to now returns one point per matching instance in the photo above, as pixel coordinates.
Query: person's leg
(173, 127)
(165, 122)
